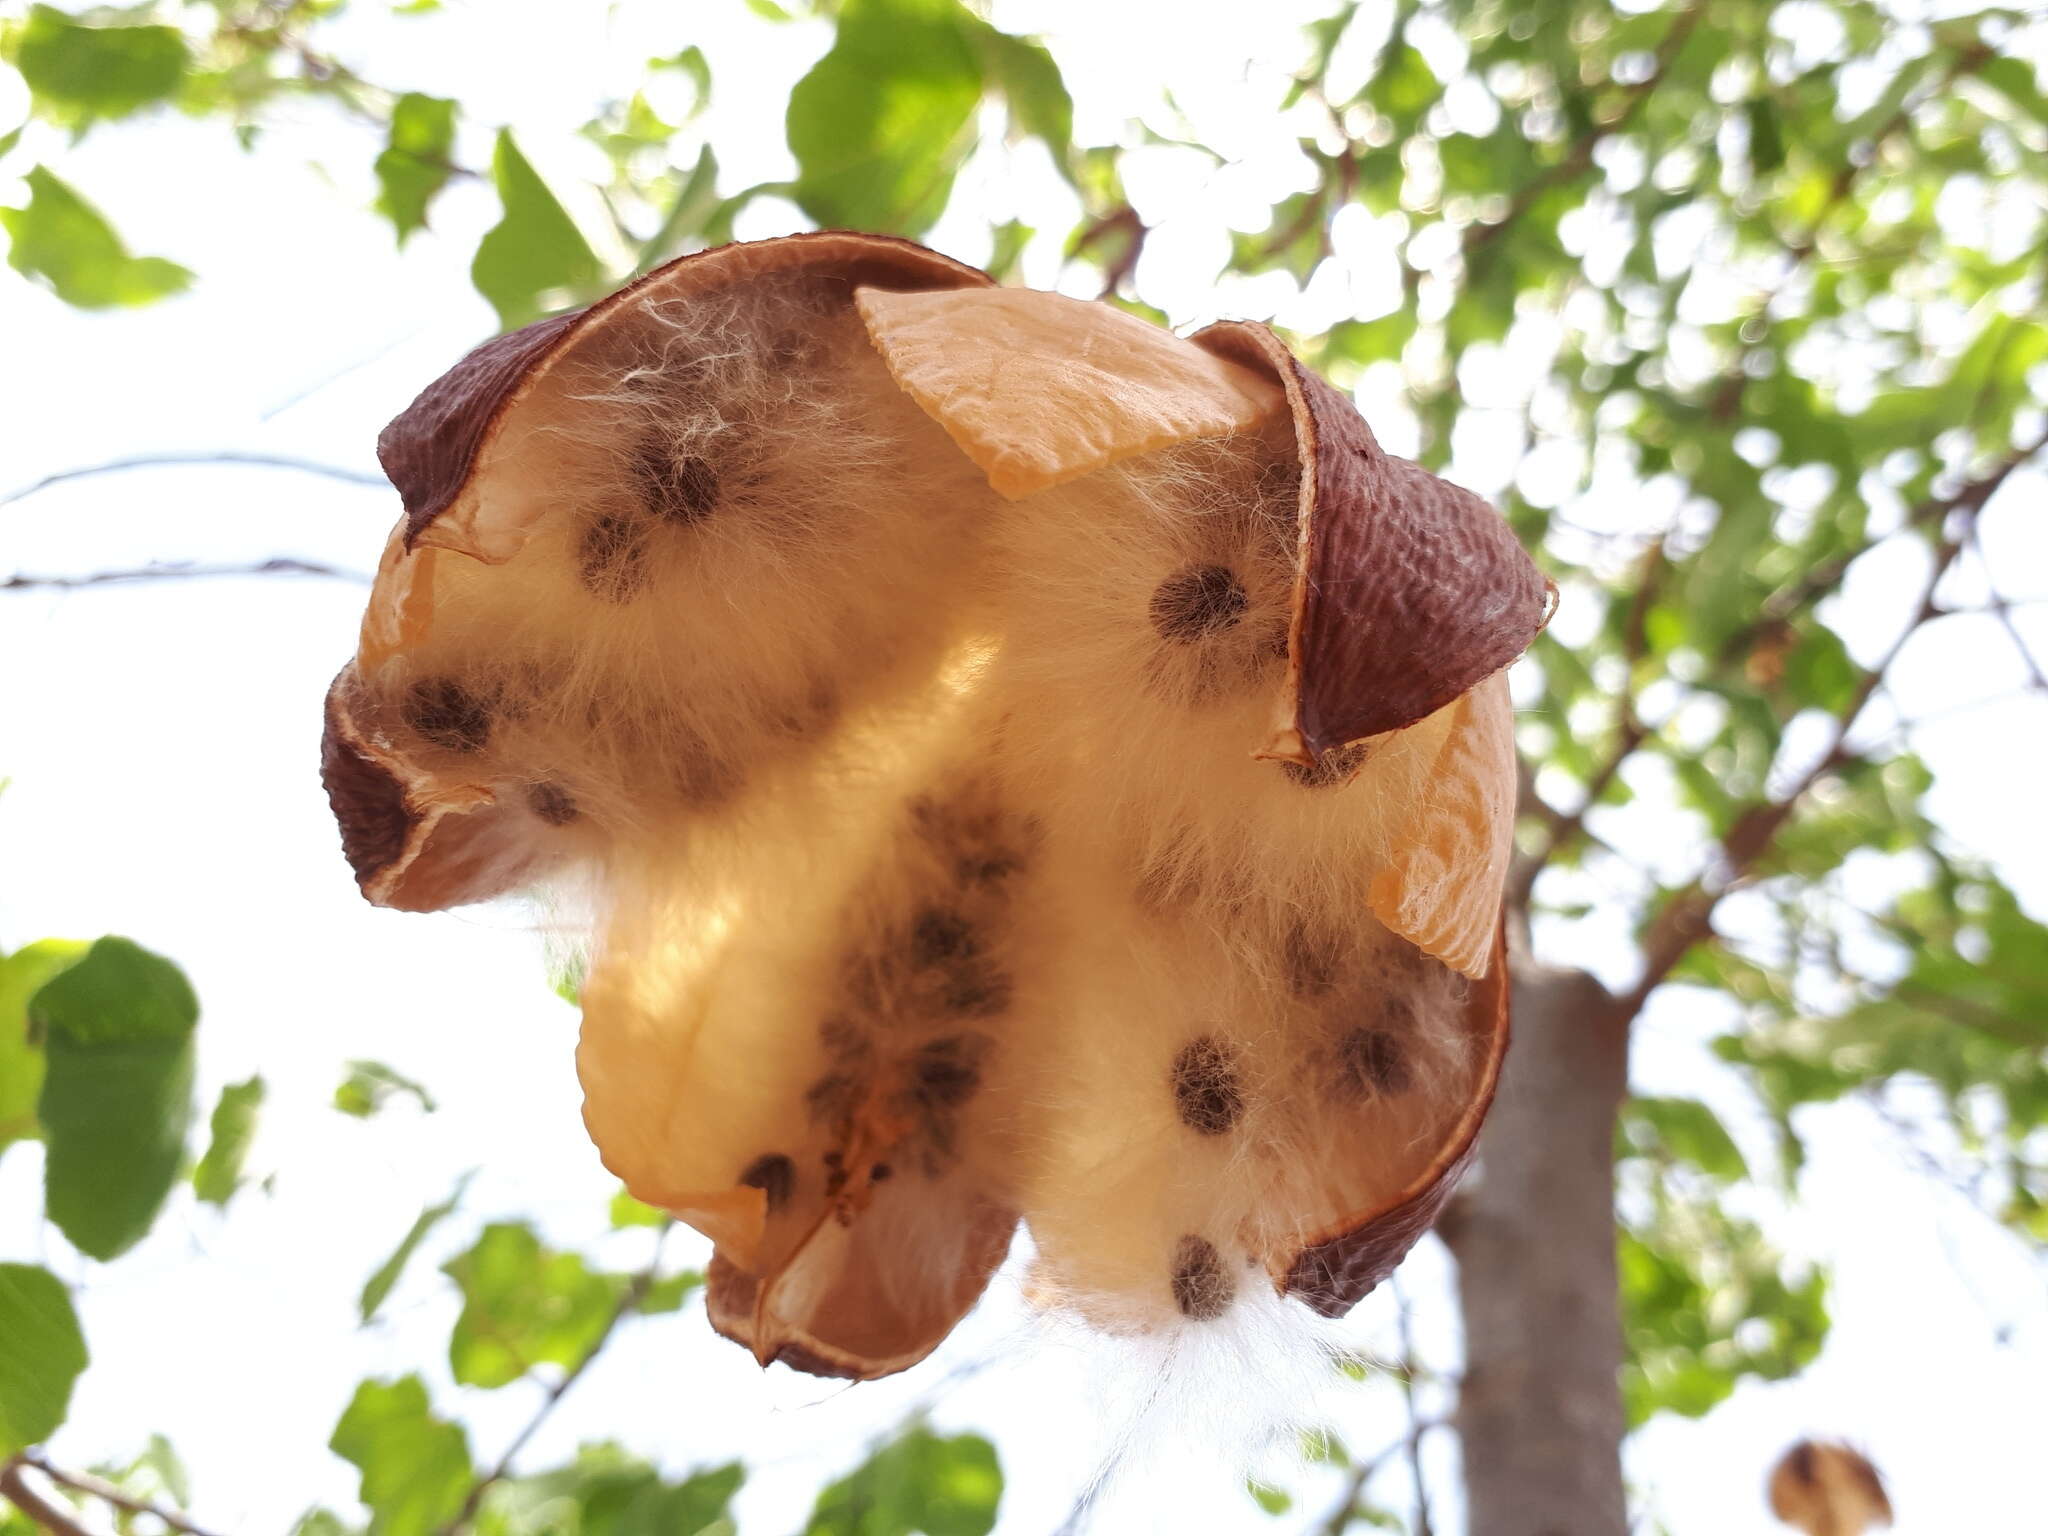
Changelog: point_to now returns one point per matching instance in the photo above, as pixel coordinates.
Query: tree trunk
(1539, 1413)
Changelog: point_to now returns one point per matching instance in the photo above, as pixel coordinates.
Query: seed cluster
(942, 875)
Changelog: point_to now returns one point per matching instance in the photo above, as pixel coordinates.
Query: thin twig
(1124, 220)
(1579, 158)
(629, 1299)
(1687, 917)
(168, 460)
(1818, 582)
(1413, 1443)
(1346, 1510)
(100, 1488)
(182, 570)
(15, 1489)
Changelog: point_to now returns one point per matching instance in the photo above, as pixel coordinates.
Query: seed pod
(1028, 765)
(1828, 1489)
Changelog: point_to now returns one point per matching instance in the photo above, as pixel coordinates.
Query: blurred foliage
(1779, 269)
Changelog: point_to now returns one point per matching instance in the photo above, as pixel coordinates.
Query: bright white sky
(162, 738)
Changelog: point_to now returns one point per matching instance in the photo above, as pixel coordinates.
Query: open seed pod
(1025, 764)
(1828, 1489)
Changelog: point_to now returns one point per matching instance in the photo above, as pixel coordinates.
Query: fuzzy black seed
(1206, 1090)
(552, 804)
(701, 776)
(611, 557)
(679, 488)
(1331, 769)
(977, 990)
(1372, 1061)
(1196, 601)
(448, 714)
(1312, 962)
(774, 1175)
(844, 1041)
(881, 1173)
(947, 1073)
(1202, 1286)
(939, 936)
(832, 1097)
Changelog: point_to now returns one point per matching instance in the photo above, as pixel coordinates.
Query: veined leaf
(41, 1354)
(62, 239)
(116, 1100)
(534, 258)
(415, 1467)
(219, 1173)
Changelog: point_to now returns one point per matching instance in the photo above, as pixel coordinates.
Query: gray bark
(1539, 1414)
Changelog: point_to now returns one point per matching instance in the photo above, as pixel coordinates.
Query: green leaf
(567, 978)
(691, 61)
(917, 1483)
(379, 1285)
(1024, 71)
(156, 1473)
(116, 1102)
(41, 1354)
(415, 1467)
(534, 258)
(1274, 1501)
(219, 1173)
(62, 239)
(21, 1049)
(416, 163)
(670, 1292)
(1687, 1130)
(608, 1491)
(370, 1085)
(628, 1212)
(524, 1305)
(321, 1521)
(881, 124)
(80, 72)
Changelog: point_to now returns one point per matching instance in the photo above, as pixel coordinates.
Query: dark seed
(1332, 768)
(679, 488)
(977, 990)
(448, 714)
(701, 776)
(1202, 1287)
(881, 1173)
(843, 1040)
(947, 1073)
(1205, 1086)
(611, 557)
(1197, 600)
(832, 1097)
(774, 1175)
(1372, 1061)
(552, 804)
(940, 936)
(1312, 962)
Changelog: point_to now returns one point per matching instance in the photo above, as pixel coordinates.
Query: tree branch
(1346, 1509)
(279, 565)
(1561, 829)
(1687, 917)
(15, 1489)
(168, 460)
(1413, 1442)
(1580, 156)
(635, 1292)
(98, 1488)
